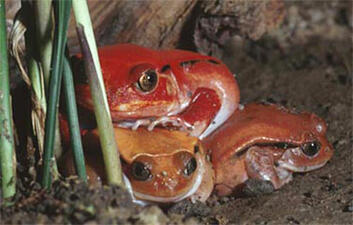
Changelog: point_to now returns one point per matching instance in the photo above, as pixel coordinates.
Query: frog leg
(261, 164)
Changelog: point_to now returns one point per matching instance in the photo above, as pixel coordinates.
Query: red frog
(266, 142)
(182, 89)
(174, 89)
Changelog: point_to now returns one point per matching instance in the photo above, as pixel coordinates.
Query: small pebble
(292, 220)
(254, 187)
(307, 194)
(349, 207)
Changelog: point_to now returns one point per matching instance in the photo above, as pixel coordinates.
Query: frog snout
(163, 181)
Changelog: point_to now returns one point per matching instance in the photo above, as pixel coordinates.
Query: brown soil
(306, 64)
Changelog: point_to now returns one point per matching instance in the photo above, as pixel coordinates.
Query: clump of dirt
(306, 64)
(72, 201)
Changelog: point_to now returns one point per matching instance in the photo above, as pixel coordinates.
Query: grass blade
(8, 169)
(44, 42)
(72, 117)
(44, 27)
(60, 37)
(95, 78)
(105, 126)
(34, 78)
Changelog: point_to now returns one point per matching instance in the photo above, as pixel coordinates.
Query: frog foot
(261, 164)
(164, 121)
(174, 121)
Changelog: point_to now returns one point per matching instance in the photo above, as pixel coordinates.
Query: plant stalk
(95, 79)
(105, 127)
(44, 38)
(60, 37)
(75, 136)
(44, 35)
(8, 170)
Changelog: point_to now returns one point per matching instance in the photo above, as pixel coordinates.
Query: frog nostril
(311, 148)
(196, 149)
(165, 68)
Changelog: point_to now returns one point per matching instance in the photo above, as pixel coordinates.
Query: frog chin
(145, 199)
(300, 168)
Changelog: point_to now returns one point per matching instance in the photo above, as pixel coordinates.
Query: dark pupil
(148, 80)
(151, 76)
(140, 171)
(190, 167)
(311, 148)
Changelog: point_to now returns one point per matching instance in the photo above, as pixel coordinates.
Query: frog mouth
(152, 122)
(144, 199)
(199, 129)
(301, 169)
(188, 117)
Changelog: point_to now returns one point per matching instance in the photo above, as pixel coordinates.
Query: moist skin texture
(189, 91)
(267, 142)
(175, 163)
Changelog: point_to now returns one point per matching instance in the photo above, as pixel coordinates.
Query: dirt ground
(305, 64)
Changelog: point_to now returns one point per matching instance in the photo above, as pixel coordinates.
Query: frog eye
(147, 81)
(190, 167)
(140, 171)
(311, 148)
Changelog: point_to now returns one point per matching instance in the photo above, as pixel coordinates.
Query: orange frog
(266, 142)
(160, 165)
(182, 89)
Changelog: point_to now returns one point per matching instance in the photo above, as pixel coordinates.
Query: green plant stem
(104, 123)
(95, 78)
(44, 28)
(38, 115)
(8, 169)
(44, 42)
(82, 16)
(72, 116)
(39, 103)
(63, 15)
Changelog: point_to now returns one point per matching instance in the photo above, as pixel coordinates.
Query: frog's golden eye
(140, 171)
(311, 148)
(190, 167)
(186, 162)
(147, 81)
